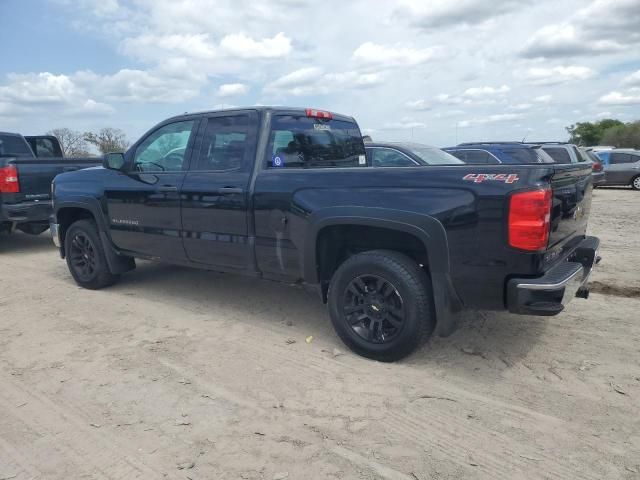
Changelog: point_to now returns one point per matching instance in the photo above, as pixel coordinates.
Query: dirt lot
(179, 373)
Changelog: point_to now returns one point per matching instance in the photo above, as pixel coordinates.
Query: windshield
(298, 141)
(433, 156)
(14, 146)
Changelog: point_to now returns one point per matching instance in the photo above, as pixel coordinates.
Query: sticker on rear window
(321, 126)
(497, 177)
(362, 160)
(277, 161)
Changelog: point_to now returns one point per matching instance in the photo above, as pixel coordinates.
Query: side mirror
(113, 161)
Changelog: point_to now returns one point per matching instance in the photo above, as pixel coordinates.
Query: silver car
(622, 166)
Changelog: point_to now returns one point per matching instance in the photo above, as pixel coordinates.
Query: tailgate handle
(168, 188)
(229, 190)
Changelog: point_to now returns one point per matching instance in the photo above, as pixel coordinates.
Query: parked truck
(287, 194)
(25, 180)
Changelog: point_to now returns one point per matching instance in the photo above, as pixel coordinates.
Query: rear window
(559, 154)
(14, 146)
(528, 155)
(298, 141)
(434, 156)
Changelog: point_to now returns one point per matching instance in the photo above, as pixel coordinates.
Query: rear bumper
(548, 295)
(26, 212)
(599, 178)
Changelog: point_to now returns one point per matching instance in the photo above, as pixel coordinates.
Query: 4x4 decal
(497, 177)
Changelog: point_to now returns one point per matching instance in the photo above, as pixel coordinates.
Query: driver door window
(164, 150)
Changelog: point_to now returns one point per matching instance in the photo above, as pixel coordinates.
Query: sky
(433, 71)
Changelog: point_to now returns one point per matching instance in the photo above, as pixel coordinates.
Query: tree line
(77, 144)
(608, 131)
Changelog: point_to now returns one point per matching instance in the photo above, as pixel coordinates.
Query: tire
(367, 319)
(85, 256)
(635, 182)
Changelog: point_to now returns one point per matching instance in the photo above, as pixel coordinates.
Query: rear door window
(617, 158)
(298, 141)
(225, 145)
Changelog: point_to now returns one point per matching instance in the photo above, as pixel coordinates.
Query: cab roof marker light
(313, 113)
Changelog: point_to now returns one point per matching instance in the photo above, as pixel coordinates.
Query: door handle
(167, 188)
(229, 190)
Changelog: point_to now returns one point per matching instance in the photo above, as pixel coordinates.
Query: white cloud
(632, 79)
(488, 119)
(314, 81)
(385, 56)
(232, 89)
(157, 47)
(141, 86)
(241, 45)
(439, 13)
(557, 75)
(420, 104)
(478, 92)
(521, 106)
(543, 98)
(561, 40)
(631, 97)
(603, 26)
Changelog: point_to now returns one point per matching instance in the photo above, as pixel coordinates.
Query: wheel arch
(427, 230)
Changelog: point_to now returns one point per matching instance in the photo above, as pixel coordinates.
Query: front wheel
(85, 256)
(635, 183)
(381, 305)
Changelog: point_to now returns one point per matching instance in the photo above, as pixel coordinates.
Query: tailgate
(571, 186)
(35, 176)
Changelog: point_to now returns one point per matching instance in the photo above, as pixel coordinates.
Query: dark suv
(493, 153)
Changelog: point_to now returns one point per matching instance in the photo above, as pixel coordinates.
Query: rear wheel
(380, 304)
(85, 256)
(635, 183)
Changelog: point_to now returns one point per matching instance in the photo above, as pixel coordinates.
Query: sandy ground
(179, 373)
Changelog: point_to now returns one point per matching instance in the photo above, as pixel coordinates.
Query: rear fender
(426, 228)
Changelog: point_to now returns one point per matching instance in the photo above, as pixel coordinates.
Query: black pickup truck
(288, 194)
(27, 167)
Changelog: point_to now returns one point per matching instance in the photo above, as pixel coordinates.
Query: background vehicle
(597, 168)
(287, 194)
(406, 154)
(622, 167)
(25, 181)
(562, 152)
(499, 152)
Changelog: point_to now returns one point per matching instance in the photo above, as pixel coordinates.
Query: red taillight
(529, 219)
(312, 112)
(9, 179)
(596, 167)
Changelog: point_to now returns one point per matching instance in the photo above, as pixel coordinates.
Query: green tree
(108, 140)
(623, 136)
(588, 134)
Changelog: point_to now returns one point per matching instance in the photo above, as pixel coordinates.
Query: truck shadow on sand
(19, 242)
(491, 338)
